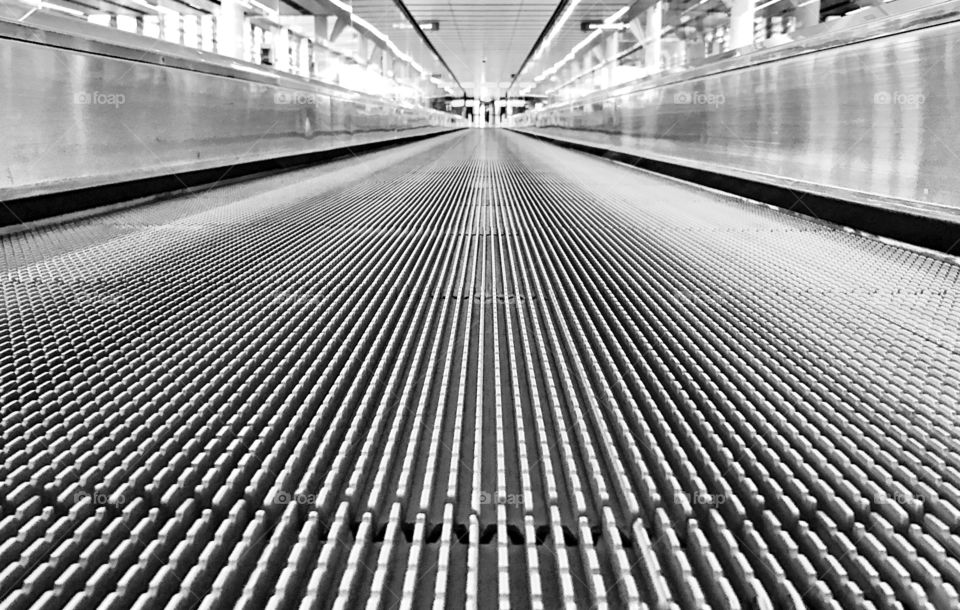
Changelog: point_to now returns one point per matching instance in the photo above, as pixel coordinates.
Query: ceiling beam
(320, 7)
(339, 24)
(536, 45)
(416, 26)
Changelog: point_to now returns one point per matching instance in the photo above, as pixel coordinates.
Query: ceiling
(481, 44)
(504, 33)
(484, 42)
(386, 16)
(570, 33)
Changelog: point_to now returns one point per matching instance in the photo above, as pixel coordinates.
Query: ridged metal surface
(475, 370)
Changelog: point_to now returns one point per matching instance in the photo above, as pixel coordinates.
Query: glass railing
(649, 37)
(339, 47)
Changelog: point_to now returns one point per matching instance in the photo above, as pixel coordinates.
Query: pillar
(653, 37)
(612, 49)
(281, 49)
(320, 32)
(742, 13)
(303, 58)
(230, 22)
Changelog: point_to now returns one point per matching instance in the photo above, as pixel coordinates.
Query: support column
(363, 48)
(281, 49)
(386, 64)
(230, 21)
(612, 49)
(653, 38)
(742, 14)
(339, 24)
(320, 27)
(320, 32)
(303, 69)
(586, 65)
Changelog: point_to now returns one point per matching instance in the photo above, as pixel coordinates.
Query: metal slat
(475, 371)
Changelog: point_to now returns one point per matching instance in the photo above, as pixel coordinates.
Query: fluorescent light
(32, 11)
(766, 4)
(581, 45)
(623, 10)
(263, 8)
(155, 7)
(62, 9)
(556, 28)
(343, 6)
(608, 27)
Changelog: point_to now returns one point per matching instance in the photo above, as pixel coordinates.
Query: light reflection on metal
(807, 116)
(106, 116)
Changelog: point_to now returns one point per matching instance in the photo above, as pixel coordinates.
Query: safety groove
(475, 371)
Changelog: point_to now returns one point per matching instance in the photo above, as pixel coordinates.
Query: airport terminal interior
(318, 304)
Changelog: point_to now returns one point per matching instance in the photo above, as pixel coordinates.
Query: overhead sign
(426, 26)
(589, 26)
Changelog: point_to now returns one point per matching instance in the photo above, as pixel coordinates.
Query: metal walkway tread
(478, 370)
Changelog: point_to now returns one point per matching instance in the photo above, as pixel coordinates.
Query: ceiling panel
(483, 42)
(486, 42)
